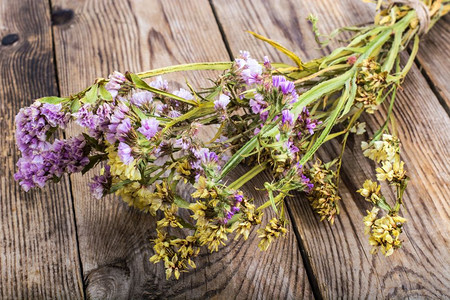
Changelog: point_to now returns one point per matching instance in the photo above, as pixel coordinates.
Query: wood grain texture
(339, 254)
(433, 59)
(114, 239)
(38, 249)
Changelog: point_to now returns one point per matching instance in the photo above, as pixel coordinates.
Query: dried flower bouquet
(270, 116)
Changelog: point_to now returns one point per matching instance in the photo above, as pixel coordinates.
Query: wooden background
(62, 243)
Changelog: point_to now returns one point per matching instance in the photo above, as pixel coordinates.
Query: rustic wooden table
(61, 243)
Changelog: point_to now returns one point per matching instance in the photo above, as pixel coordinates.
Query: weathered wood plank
(114, 239)
(38, 248)
(339, 254)
(434, 57)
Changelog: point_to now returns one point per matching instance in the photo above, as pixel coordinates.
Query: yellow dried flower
(212, 235)
(202, 189)
(170, 218)
(384, 232)
(273, 230)
(370, 191)
(358, 128)
(386, 149)
(175, 261)
(323, 197)
(392, 172)
(183, 167)
(199, 212)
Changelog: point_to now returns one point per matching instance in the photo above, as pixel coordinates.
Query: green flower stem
(344, 143)
(248, 176)
(186, 67)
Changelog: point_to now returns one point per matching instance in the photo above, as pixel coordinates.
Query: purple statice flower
(287, 87)
(114, 84)
(267, 64)
(244, 54)
(101, 184)
(104, 112)
(33, 123)
(202, 157)
(238, 197)
(291, 148)
(54, 115)
(309, 185)
(277, 80)
(173, 113)
(149, 127)
(305, 180)
(64, 156)
(306, 123)
(31, 172)
(97, 123)
(117, 116)
(208, 156)
(222, 102)
(86, 118)
(234, 209)
(141, 98)
(31, 130)
(175, 105)
(259, 106)
(160, 84)
(248, 69)
(185, 94)
(124, 152)
(68, 156)
(287, 118)
(183, 142)
(123, 129)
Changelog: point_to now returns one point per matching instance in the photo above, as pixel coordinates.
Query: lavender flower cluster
(41, 159)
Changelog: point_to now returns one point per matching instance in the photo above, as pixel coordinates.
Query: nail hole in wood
(62, 16)
(10, 39)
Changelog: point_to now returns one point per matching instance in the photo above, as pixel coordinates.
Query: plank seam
(305, 258)
(222, 31)
(431, 84)
(83, 283)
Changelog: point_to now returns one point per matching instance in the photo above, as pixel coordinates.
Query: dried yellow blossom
(384, 232)
(386, 149)
(273, 230)
(324, 197)
(250, 217)
(176, 253)
(199, 212)
(212, 235)
(170, 218)
(203, 191)
(370, 190)
(392, 172)
(359, 128)
(369, 219)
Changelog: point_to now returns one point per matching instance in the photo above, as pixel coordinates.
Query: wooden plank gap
(431, 84)
(69, 180)
(312, 279)
(222, 32)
